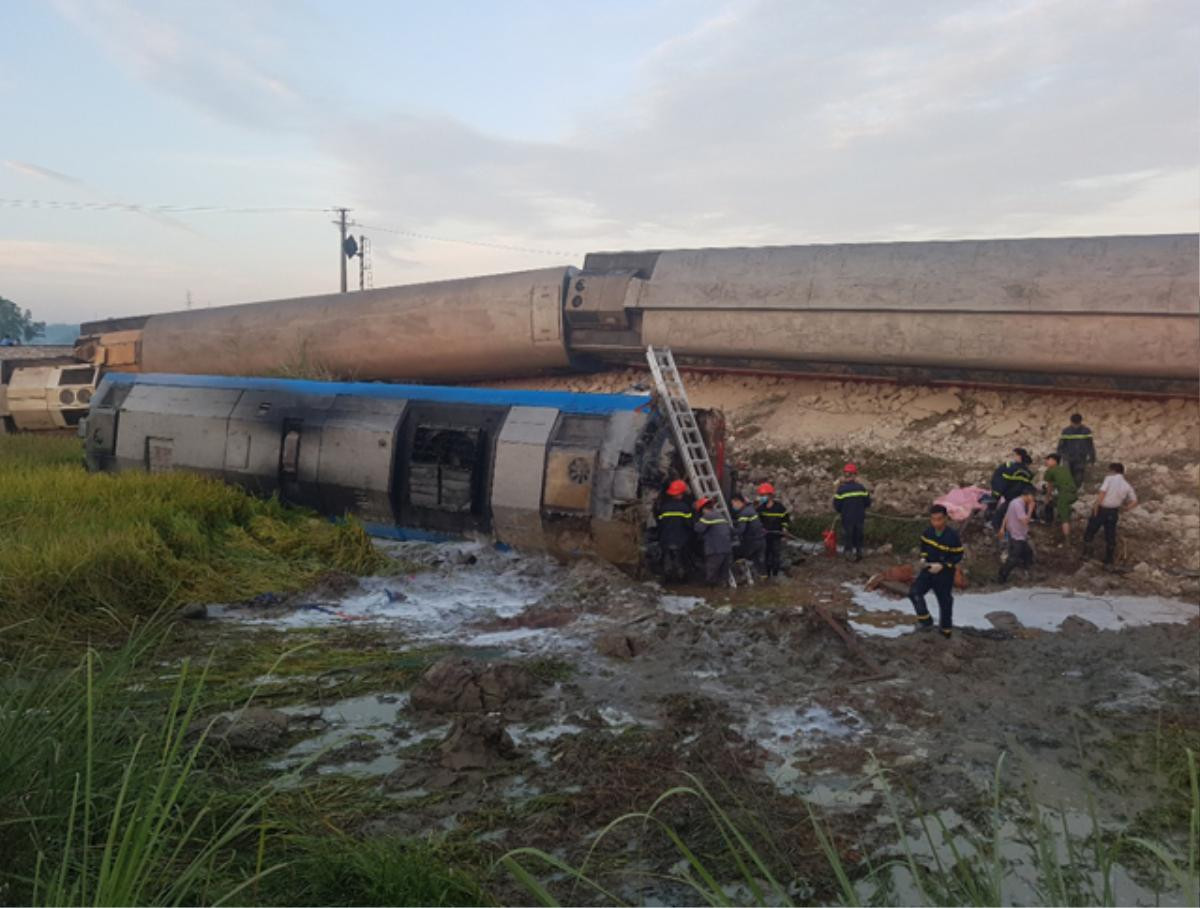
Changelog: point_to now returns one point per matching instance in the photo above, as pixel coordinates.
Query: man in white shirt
(1116, 495)
(1016, 528)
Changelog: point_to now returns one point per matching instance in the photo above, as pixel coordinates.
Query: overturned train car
(1116, 313)
(559, 472)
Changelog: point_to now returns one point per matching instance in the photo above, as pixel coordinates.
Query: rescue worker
(775, 523)
(1009, 481)
(1116, 495)
(675, 522)
(1060, 485)
(717, 535)
(1016, 528)
(749, 533)
(1077, 448)
(851, 500)
(941, 551)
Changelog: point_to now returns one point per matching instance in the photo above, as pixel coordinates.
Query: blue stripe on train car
(408, 534)
(566, 401)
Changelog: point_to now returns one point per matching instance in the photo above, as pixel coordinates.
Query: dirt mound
(476, 742)
(254, 730)
(456, 685)
(622, 645)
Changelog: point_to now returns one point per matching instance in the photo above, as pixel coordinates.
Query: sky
(472, 138)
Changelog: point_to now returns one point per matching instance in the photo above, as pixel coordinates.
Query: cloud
(36, 171)
(784, 122)
(44, 173)
(216, 55)
(769, 122)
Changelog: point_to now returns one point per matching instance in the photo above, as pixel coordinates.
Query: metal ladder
(701, 475)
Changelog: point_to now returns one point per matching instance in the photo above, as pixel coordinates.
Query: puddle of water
(373, 718)
(787, 731)
(948, 828)
(1042, 608)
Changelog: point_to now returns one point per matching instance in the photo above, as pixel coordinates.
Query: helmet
(678, 487)
(702, 503)
(849, 468)
(766, 489)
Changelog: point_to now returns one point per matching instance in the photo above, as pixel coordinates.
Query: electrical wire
(59, 205)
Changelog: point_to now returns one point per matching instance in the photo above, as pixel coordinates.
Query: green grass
(340, 870)
(109, 796)
(937, 866)
(875, 464)
(902, 533)
(93, 553)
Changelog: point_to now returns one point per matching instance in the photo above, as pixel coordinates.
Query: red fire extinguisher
(830, 538)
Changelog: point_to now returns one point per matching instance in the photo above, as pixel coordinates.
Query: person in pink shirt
(1016, 528)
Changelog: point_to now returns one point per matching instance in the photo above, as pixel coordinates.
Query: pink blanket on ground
(962, 503)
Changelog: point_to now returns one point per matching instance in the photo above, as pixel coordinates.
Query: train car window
(442, 468)
(580, 431)
(79, 376)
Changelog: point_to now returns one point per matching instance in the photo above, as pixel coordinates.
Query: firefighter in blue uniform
(675, 531)
(851, 500)
(775, 522)
(717, 536)
(1077, 447)
(941, 551)
(750, 540)
(1010, 481)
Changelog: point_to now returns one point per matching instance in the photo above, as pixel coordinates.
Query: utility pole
(341, 222)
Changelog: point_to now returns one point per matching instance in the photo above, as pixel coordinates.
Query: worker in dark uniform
(717, 536)
(775, 523)
(941, 551)
(675, 521)
(1077, 448)
(851, 500)
(748, 532)
(1010, 481)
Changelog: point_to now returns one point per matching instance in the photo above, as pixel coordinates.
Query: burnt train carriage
(561, 472)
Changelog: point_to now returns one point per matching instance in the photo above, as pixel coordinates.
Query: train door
(444, 466)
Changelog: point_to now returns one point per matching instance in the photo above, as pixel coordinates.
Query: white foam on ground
(431, 605)
(786, 731)
(679, 605)
(1042, 608)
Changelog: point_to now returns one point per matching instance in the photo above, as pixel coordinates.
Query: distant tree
(17, 324)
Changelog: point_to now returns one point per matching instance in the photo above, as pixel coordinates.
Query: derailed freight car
(559, 472)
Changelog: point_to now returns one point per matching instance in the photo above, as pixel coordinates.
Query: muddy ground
(500, 701)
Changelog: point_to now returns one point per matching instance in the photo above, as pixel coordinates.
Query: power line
(57, 205)
(61, 205)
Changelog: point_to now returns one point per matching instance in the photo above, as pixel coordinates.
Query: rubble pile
(912, 444)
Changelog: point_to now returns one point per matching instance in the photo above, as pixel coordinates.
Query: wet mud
(569, 695)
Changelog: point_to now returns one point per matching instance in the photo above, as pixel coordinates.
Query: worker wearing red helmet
(775, 521)
(851, 501)
(675, 530)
